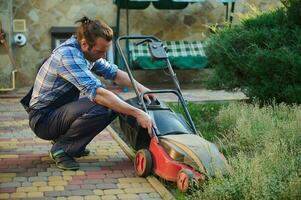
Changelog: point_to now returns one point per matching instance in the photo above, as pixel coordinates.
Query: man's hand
(147, 97)
(145, 121)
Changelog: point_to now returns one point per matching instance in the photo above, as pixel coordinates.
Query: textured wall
(190, 23)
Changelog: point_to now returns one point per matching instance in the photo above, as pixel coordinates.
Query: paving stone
(154, 195)
(39, 183)
(54, 183)
(68, 173)
(55, 178)
(88, 187)
(153, 199)
(113, 191)
(108, 197)
(27, 189)
(4, 196)
(93, 181)
(8, 190)
(75, 182)
(106, 186)
(26, 184)
(132, 180)
(37, 178)
(27, 174)
(7, 175)
(136, 185)
(20, 179)
(96, 176)
(59, 188)
(55, 173)
(79, 172)
(10, 184)
(72, 187)
(18, 195)
(82, 192)
(5, 180)
(98, 192)
(45, 188)
(66, 193)
(75, 198)
(124, 185)
(53, 169)
(91, 197)
(128, 196)
(35, 194)
(110, 180)
(115, 175)
(52, 194)
(139, 190)
(144, 196)
(80, 177)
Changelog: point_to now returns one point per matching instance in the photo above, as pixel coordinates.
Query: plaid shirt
(65, 68)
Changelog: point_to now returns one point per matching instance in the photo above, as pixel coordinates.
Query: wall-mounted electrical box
(19, 25)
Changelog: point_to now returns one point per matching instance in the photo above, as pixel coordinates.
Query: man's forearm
(108, 99)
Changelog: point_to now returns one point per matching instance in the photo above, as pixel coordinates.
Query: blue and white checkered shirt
(65, 68)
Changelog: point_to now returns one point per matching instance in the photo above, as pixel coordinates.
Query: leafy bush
(262, 144)
(261, 56)
(293, 10)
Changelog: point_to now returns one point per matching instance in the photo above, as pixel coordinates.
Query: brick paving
(26, 171)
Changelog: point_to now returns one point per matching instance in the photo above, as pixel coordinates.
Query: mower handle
(180, 98)
(137, 37)
(127, 67)
(143, 41)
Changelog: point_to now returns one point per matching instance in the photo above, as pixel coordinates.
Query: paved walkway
(26, 172)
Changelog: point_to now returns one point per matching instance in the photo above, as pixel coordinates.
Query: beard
(90, 57)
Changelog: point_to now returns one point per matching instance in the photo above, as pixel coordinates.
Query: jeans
(73, 125)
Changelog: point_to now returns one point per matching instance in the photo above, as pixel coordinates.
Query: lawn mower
(175, 152)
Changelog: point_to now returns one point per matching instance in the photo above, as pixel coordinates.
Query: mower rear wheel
(143, 162)
(184, 180)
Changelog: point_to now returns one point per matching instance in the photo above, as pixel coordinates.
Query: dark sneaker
(86, 152)
(63, 160)
(82, 153)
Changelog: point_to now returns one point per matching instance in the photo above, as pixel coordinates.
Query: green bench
(182, 55)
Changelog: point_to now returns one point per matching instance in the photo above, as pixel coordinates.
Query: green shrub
(293, 11)
(262, 144)
(261, 56)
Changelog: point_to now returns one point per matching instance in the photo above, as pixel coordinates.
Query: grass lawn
(262, 144)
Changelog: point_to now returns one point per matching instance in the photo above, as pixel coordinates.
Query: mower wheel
(184, 180)
(143, 162)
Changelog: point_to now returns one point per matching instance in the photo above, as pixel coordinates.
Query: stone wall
(190, 23)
